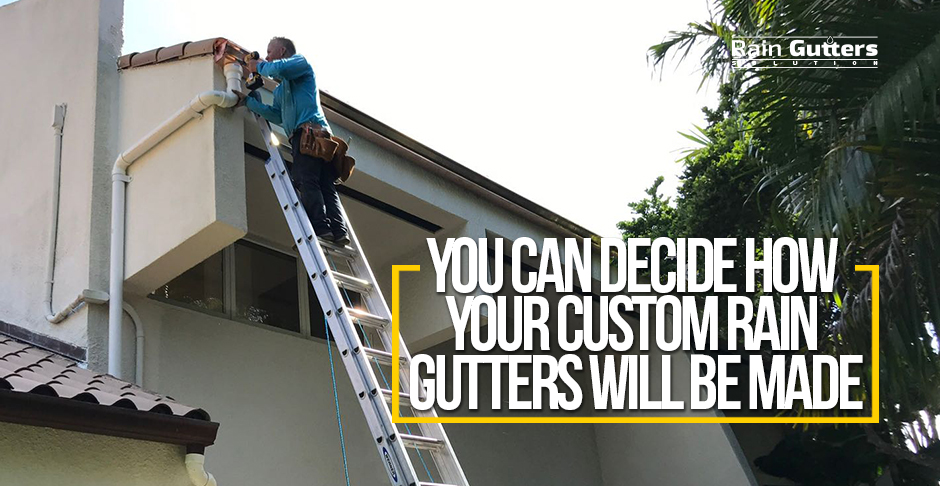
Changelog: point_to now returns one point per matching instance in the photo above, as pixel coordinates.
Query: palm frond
(902, 96)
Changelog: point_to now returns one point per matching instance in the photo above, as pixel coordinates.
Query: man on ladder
(297, 109)
(311, 215)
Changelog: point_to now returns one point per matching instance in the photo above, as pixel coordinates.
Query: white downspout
(91, 296)
(139, 355)
(119, 180)
(196, 467)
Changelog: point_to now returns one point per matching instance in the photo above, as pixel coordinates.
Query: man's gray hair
(287, 44)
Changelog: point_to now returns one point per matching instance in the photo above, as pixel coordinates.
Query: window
(266, 287)
(200, 287)
(253, 283)
(318, 320)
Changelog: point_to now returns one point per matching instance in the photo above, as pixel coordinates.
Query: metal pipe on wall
(119, 180)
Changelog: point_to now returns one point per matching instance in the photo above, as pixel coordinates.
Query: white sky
(554, 100)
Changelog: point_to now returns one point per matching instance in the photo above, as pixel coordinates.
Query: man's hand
(242, 98)
(253, 65)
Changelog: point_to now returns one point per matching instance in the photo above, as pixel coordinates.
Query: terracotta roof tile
(28, 369)
(15, 347)
(124, 61)
(219, 47)
(199, 48)
(145, 58)
(172, 52)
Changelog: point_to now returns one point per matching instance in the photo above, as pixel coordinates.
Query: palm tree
(854, 154)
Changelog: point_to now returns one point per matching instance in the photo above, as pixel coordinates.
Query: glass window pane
(266, 286)
(199, 287)
(317, 319)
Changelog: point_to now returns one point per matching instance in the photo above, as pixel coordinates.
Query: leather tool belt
(316, 142)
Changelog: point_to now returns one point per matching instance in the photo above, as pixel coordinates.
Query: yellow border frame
(398, 419)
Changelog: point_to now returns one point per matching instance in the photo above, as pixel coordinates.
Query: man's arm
(270, 112)
(290, 68)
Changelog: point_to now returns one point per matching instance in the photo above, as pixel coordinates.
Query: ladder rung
(352, 283)
(346, 251)
(404, 398)
(383, 357)
(367, 319)
(419, 442)
(335, 284)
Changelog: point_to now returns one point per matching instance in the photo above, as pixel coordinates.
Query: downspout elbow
(196, 467)
(87, 296)
(57, 318)
(222, 99)
(120, 167)
(199, 104)
(139, 354)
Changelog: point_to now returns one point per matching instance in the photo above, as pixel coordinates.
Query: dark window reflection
(266, 287)
(199, 287)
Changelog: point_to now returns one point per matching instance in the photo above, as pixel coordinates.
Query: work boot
(341, 239)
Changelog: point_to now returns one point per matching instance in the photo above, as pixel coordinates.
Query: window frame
(229, 294)
(201, 310)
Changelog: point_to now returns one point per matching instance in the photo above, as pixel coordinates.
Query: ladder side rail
(376, 304)
(361, 385)
(326, 291)
(365, 384)
(446, 461)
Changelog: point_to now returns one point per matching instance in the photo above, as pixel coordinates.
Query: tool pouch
(317, 142)
(342, 163)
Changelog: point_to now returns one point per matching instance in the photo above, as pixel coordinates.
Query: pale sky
(554, 100)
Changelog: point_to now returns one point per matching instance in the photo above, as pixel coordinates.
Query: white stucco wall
(40, 456)
(674, 454)
(592, 454)
(73, 47)
(186, 198)
(271, 392)
(537, 454)
(429, 321)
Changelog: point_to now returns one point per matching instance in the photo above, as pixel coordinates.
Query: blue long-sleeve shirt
(296, 98)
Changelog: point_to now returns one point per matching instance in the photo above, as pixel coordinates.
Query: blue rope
(339, 417)
(384, 379)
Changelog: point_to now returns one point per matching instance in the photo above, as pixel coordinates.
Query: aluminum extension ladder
(396, 449)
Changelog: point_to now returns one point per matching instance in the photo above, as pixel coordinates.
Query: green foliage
(654, 215)
(716, 195)
(828, 456)
(848, 153)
